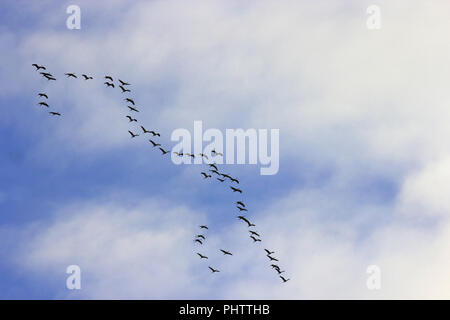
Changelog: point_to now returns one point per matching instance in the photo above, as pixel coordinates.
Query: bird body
(213, 270)
(163, 151)
(109, 84)
(202, 256)
(131, 119)
(133, 135)
(154, 143)
(43, 95)
(226, 252)
(71, 75)
(55, 113)
(236, 189)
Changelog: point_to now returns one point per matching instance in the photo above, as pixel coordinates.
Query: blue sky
(363, 167)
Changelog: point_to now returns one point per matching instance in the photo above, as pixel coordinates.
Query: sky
(363, 160)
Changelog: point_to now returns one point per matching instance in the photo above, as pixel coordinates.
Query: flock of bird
(211, 172)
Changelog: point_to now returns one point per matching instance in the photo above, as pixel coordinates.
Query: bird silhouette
(133, 135)
(180, 154)
(49, 78)
(55, 113)
(245, 220)
(109, 78)
(145, 130)
(284, 279)
(124, 90)
(69, 75)
(131, 119)
(216, 153)
(213, 270)
(109, 84)
(43, 95)
(154, 143)
(279, 271)
(254, 233)
(226, 252)
(240, 203)
(215, 172)
(190, 155)
(212, 165)
(43, 104)
(198, 240)
(201, 236)
(38, 67)
(203, 227)
(163, 151)
(274, 266)
(202, 256)
(46, 74)
(272, 258)
(221, 180)
(269, 252)
(86, 77)
(129, 100)
(234, 180)
(255, 239)
(205, 175)
(123, 83)
(133, 109)
(155, 134)
(203, 155)
(236, 189)
(241, 209)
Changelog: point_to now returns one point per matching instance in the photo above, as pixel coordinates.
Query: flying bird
(203, 155)
(199, 241)
(133, 109)
(55, 113)
(279, 271)
(221, 180)
(234, 180)
(213, 270)
(254, 233)
(284, 280)
(109, 78)
(70, 75)
(38, 66)
(226, 252)
(129, 100)
(269, 252)
(86, 77)
(272, 258)
(215, 171)
(145, 130)
(205, 175)
(240, 203)
(133, 135)
(163, 151)
(241, 209)
(201, 236)
(109, 84)
(155, 133)
(216, 153)
(154, 143)
(131, 119)
(236, 189)
(43, 104)
(43, 95)
(212, 165)
(255, 239)
(202, 256)
(49, 78)
(46, 74)
(274, 266)
(123, 83)
(180, 154)
(203, 227)
(124, 90)
(245, 220)
(190, 155)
